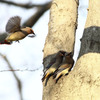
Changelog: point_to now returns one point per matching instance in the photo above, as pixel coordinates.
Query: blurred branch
(17, 79)
(34, 18)
(2, 37)
(27, 6)
(31, 70)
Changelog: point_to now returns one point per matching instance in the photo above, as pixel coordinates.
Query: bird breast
(15, 36)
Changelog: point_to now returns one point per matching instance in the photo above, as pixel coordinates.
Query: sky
(28, 55)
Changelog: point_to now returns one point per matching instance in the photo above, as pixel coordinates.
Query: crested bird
(53, 60)
(15, 31)
(65, 66)
(53, 66)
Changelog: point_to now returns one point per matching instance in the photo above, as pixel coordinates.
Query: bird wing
(13, 24)
(60, 69)
(53, 60)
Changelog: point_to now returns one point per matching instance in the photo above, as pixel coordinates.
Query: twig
(31, 70)
(27, 6)
(35, 17)
(17, 79)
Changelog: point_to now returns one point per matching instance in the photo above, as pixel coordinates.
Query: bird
(53, 65)
(15, 31)
(53, 60)
(65, 66)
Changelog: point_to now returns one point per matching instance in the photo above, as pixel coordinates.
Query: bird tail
(5, 42)
(45, 76)
(48, 78)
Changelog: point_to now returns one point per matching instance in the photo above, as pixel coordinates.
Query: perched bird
(53, 60)
(15, 31)
(53, 66)
(65, 66)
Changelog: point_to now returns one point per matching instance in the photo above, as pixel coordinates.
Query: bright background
(27, 55)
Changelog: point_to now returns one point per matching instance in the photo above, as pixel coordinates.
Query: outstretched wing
(13, 24)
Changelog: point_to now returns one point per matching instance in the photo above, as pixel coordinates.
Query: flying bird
(53, 66)
(15, 31)
(65, 66)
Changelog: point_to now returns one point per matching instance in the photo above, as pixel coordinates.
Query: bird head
(61, 52)
(29, 31)
(68, 58)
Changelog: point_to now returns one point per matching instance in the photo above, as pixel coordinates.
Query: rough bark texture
(62, 25)
(87, 76)
(83, 82)
(91, 35)
(90, 40)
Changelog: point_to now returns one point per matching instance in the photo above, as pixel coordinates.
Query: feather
(13, 24)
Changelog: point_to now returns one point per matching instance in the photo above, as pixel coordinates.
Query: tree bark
(83, 82)
(91, 35)
(86, 74)
(61, 36)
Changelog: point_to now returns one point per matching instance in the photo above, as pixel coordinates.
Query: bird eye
(31, 31)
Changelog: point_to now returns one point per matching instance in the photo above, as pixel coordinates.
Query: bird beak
(33, 35)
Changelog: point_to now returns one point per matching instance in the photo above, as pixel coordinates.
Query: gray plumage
(13, 24)
(65, 66)
(49, 72)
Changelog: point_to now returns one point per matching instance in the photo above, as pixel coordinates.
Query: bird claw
(18, 41)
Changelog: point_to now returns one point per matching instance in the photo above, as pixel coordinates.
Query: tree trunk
(62, 26)
(83, 82)
(87, 68)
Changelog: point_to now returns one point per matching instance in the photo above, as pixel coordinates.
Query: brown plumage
(51, 69)
(14, 30)
(65, 66)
